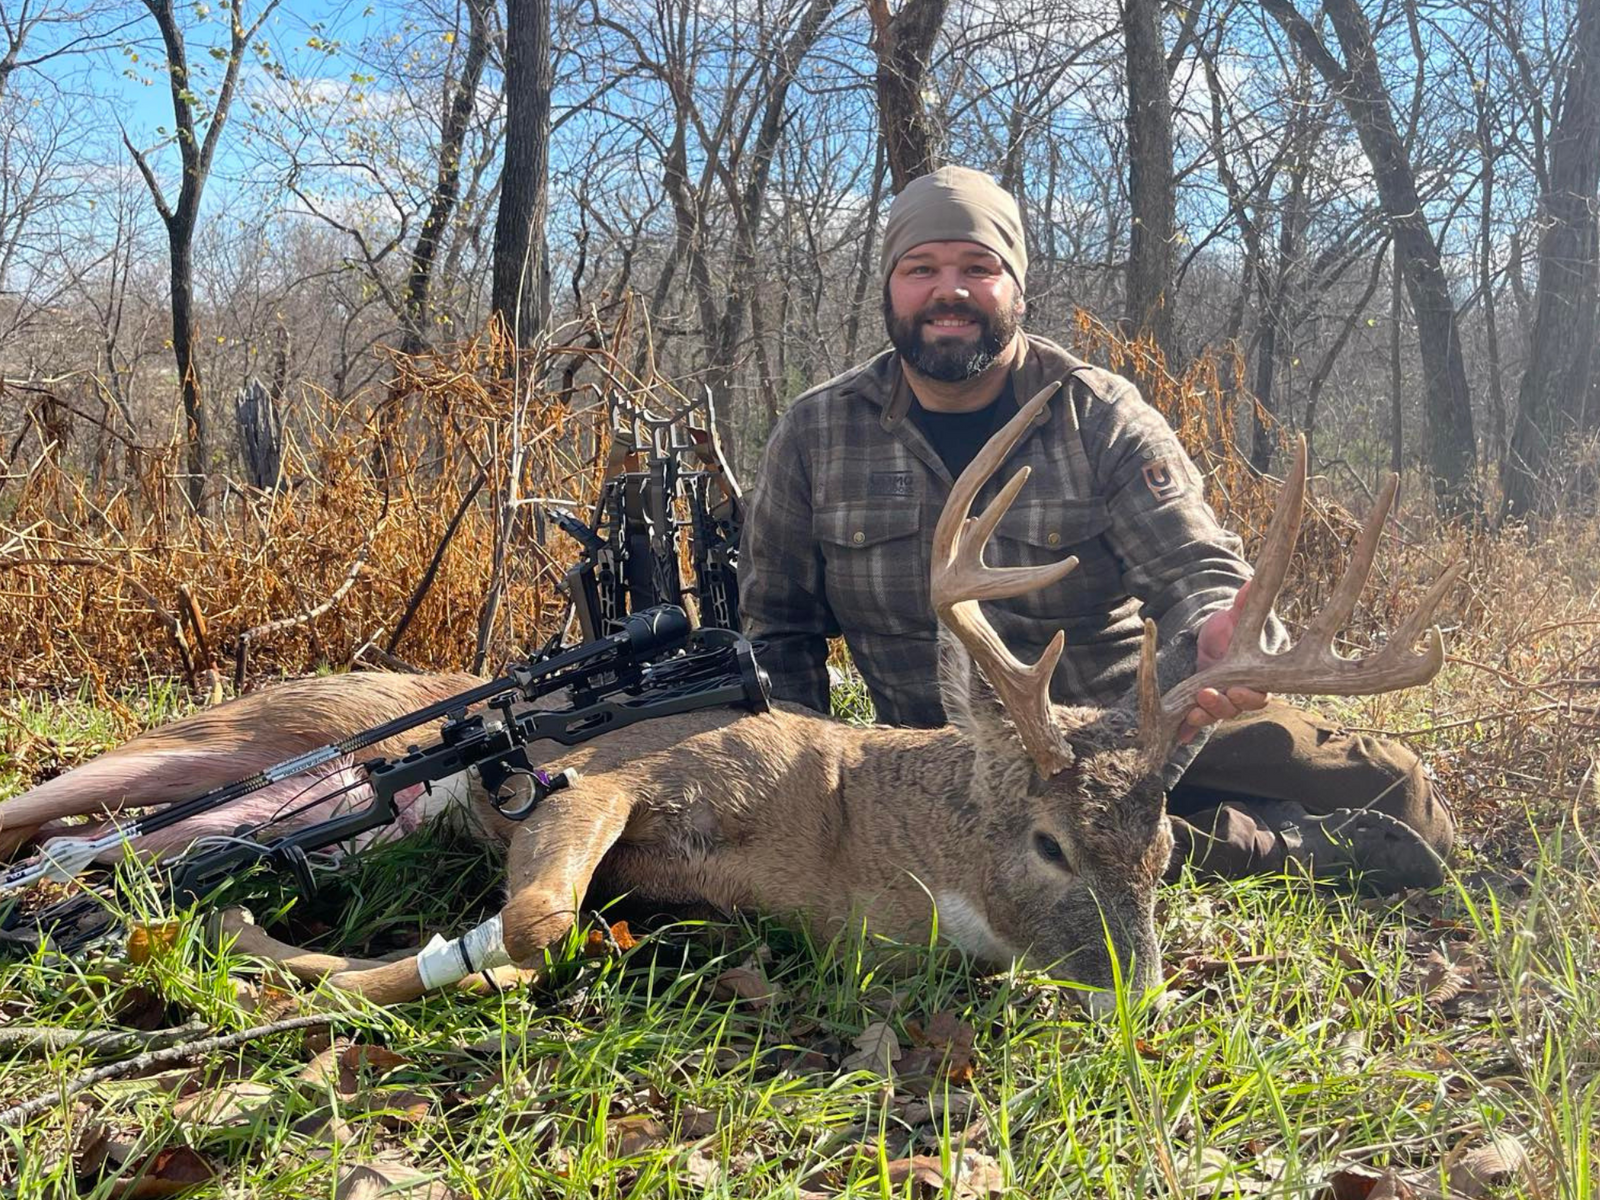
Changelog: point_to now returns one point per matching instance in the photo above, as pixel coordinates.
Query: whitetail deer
(1025, 826)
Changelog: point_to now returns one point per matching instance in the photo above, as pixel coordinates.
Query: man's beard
(951, 360)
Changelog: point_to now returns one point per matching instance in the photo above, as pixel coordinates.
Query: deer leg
(310, 966)
(553, 855)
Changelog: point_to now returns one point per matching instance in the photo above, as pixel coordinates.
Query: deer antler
(1311, 665)
(960, 579)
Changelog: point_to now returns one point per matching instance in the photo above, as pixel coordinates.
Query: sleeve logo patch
(1161, 481)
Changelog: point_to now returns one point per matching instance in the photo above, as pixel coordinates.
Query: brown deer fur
(1055, 853)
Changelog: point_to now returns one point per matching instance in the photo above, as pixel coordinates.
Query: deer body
(1023, 827)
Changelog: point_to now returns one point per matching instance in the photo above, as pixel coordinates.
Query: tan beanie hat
(956, 204)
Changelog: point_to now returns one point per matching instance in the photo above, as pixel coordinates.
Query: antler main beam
(960, 579)
(1311, 665)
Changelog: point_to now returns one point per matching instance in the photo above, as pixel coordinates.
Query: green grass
(1309, 1030)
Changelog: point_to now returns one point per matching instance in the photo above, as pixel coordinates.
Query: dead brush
(1511, 725)
(109, 585)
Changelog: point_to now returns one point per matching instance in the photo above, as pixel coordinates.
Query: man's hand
(1211, 706)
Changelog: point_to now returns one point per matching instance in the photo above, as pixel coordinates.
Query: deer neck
(918, 833)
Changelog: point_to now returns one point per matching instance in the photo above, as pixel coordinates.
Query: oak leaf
(877, 1051)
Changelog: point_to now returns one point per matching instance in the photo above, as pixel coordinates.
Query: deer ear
(972, 705)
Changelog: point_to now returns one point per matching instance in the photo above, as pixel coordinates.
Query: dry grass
(106, 586)
(1511, 725)
(110, 583)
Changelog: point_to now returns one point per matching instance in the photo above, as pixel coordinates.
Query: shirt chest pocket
(1045, 532)
(876, 565)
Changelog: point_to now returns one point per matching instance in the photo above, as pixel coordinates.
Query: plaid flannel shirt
(838, 537)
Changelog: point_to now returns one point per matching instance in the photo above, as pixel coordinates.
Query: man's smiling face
(950, 308)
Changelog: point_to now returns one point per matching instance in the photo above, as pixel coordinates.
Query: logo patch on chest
(1161, 480)
(891, 483)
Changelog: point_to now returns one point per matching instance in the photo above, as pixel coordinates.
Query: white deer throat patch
(963, 925)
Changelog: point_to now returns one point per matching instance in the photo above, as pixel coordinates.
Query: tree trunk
(1452, 448)
(867, 263)
(195, 152)
(1556, 384)
(446, 188)
(903, 44)
(1397, 425)
(1151, 187)
(1275, 302)
(749, 201)
(180, 237)
(521, 287)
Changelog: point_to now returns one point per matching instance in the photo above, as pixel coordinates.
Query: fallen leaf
(232, 1104)
(387, 1177)
(341, 1066)
(747, 985)
(1444, 980)
(877, 1050)
(617, 939)
(169, 1171)
(140, 1008)
(1477, 1171)
(634, 1134)
(973, 1176)
(145, 941)
(954, 1038)
(1357, 1182)
(324, 1128)
(397, 1108)
(694, 1122)
(265, 1000)
(958, 1105)
(1349, 1048)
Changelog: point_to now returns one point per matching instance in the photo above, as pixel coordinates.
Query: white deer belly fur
(963, 925)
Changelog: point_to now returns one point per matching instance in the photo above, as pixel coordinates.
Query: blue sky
(309, 39)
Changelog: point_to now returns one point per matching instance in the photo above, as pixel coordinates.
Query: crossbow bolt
(64, 859)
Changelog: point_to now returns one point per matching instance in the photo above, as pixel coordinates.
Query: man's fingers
(1247, 699)
(1211, 706)
(1216, 705)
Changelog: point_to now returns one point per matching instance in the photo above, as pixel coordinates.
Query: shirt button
(858, 537)
(1053, 539)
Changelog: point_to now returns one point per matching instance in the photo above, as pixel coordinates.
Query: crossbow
(668, 501)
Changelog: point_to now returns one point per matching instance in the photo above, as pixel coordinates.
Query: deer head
(1070, 799)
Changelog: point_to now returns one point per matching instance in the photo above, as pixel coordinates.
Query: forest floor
(1316, 1043)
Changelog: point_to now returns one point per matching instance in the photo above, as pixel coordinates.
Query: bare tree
(521, 292)
(1151, 296)
(1452, 448)
(903, 43)
(1557, 384)
(195, 151)
(447, 185)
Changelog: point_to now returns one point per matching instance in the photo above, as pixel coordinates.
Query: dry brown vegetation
(104, 587)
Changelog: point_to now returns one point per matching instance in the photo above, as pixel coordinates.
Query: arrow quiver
(665, 529)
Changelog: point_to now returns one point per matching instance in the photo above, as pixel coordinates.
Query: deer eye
(1049, 849)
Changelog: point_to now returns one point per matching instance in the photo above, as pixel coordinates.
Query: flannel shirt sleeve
(1176, 558)
(782, 599)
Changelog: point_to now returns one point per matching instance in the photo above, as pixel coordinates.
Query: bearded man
(839, 531)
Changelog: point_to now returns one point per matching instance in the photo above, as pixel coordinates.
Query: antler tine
(1343, 601)
(960, 580)
(1149, 684)
(1272, 564)
(1422, 615)
(1312, 665)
